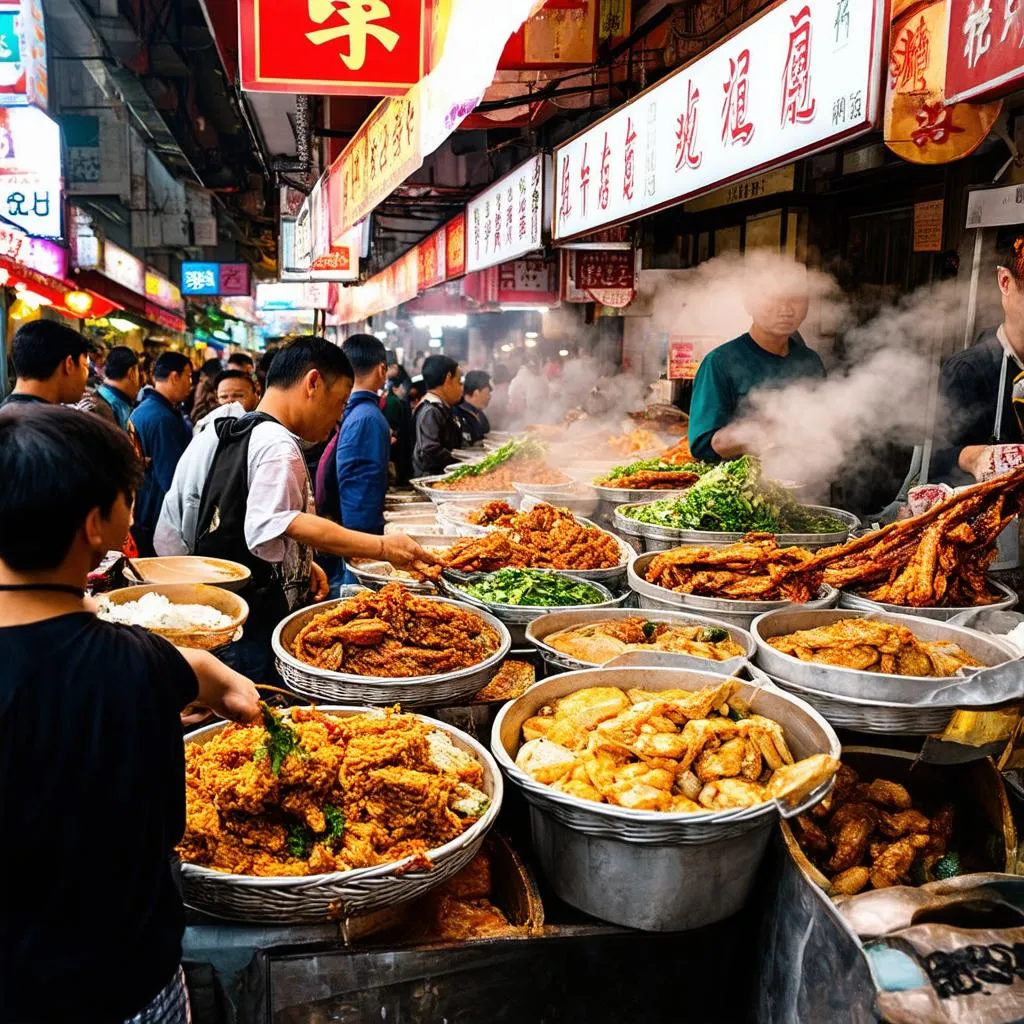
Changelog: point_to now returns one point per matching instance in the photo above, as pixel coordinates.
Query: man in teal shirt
(770, 355)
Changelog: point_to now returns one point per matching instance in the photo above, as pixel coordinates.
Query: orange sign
(431, 255)
(455, 247)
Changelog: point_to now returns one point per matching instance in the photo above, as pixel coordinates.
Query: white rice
(154, 611)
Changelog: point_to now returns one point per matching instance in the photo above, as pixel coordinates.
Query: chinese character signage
(803, 75)
(985, 51)
(23, 78)
(505, 220)
(124, 268)
(30, 171)
(39, 254)
(455, 246)
(334, 47)
(215, 279)
(527, 282)
(431, 256)
(163, 292)
(684, 355)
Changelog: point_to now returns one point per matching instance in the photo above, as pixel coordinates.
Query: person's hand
(224, 691)
(404, 553)
(319, 586)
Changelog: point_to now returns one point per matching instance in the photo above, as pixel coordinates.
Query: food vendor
(977, 384)
(435, 427)
(242, 492)
(92, 775)
(470, 414)
(769, 355)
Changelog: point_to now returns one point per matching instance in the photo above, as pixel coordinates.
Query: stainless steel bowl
(664, 538)
(737, 613)
(962, 615)
(568, 618)
(581, 501)
(423, 484)
(645, 869)
(627, 496)
(321, 684)
(869, 686)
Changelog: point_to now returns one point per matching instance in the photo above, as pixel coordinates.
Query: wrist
(380, 548)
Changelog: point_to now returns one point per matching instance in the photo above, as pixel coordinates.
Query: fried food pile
(638, 440)
(870, 646)
(756, 569)
(319, 793)
(651, 480)
(872, 834)
(393, 633)
(494, 513)
(669, 750)
(679, 454)
(935, 560)
(598, 642)
(515, 470)
(543, 538)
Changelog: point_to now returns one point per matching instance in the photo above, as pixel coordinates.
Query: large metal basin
(737, 613)
(645, 869)
(1007, 601)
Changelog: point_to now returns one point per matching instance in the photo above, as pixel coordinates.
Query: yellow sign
(781, 180)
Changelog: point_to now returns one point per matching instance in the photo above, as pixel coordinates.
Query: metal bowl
(567, 618)
(962, 615)
(321, 684)
(664, 538)
(164, 570)
(581, 501)
(424, 484)
(738, 613)
(340, 894)
(857, 684)
(374, 574)
(518, 617)
(646, 869)
(627, 496)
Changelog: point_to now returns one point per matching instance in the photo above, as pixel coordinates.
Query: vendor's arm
(399, 549)
(712, 409)
(221, 689)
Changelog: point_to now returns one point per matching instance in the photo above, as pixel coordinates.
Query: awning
(136, 308)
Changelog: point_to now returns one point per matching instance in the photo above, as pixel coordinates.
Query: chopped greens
(335, 818)
(656, 466)
(527, 448)
(281, 740)
(299, 841)
(649, 628)
(735, 498)
(713, 635)
(301, 837)
(533, 588)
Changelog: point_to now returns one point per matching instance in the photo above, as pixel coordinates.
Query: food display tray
(1006, 601)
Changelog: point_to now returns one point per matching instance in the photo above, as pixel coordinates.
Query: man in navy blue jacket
(164, 435)
(364, 444)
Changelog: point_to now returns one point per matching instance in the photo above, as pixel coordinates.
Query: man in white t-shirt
(242, 492)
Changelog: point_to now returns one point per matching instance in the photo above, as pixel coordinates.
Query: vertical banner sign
(455, 247)
(505, 220)
(431, 256)
(30, 171)
(334, 47)
(985, 49)
(801, 76)
(23, 76)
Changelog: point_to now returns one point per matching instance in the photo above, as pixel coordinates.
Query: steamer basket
(1006, 602)
(340, 894)
(320, 684)
(644, 869)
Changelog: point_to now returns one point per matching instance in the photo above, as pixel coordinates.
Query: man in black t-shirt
(92, 786)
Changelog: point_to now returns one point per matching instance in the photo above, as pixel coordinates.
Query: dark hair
(417, 389)
(294, 360)
(39, 348)
(265, 360)
(1010, 252)
(57, 464)
(365, 352)
(170, 362)
(401, 379)
(210, 368)
(475, 380)
(121, 360)
(437, 369)
(242, 359)
(233, 375)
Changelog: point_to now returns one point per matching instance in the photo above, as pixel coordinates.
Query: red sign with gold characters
(334, 47)
(455, 246)
(985, 52)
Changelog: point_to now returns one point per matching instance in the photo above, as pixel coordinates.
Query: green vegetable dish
(656, 466)
(525, 448)
(734, 497)
(534, 589)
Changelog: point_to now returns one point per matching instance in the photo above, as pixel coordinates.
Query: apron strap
(997, 429)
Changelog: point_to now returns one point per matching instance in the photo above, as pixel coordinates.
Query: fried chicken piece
(846, 779)
(893, 866)
(810, 836)
(901, 823)
(850, 812)
(726, 794)
(851, 842)
(793, 782)
(886, 793)
(851, 881)
(408, 804)
(724, 763)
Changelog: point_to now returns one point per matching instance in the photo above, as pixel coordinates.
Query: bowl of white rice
(188, 614)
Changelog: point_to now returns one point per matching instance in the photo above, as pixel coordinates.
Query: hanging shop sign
(919, 125)
(124, 268)
(30, 171)
(215, 279)
(334, 47)
(985, 49)
(431, 253)
(340, 263)
(455, 246)
(782, 179)
(798, 78)
(280, 296)
(505, 220)
(619, 236)
(38, 254)
(610, 272)
(23, 78)
(528, 282)
(995, 207)
(684, 355)
(163, 292)
(562, 33)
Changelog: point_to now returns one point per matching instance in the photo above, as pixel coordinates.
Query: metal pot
(962, 615)
(627, 496)
(424, 484)
(737, 613)
(645, 869)
(568, 618)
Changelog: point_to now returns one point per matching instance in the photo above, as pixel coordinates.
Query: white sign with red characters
(803, 75)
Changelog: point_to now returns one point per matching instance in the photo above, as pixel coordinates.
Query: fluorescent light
(531, 334)
(32, 298)
(381, 335)
(531, 342)
(435, 343)
(460, 320)
(120, 324)
(419, 322)
(506, 347)
(563, 352)
(436, 331)
(390, 325)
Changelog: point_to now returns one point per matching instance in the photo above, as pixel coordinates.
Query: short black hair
(121, 360)
(57, 464)
(210, 368)
(476, 380)
(233, 375)
(242, 359)
(170, 362)
(437, 369)
(416, 389)
(294, 360)
(365, 352)
(39, 348)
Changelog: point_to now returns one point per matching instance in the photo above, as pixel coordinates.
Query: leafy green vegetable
(527, 448)
(657, 466)
(533, 588)
(301, 837)
(734, 498)
(299, 841)
(281, 740)
(335, 818)
(649, 629)
(712, 635)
